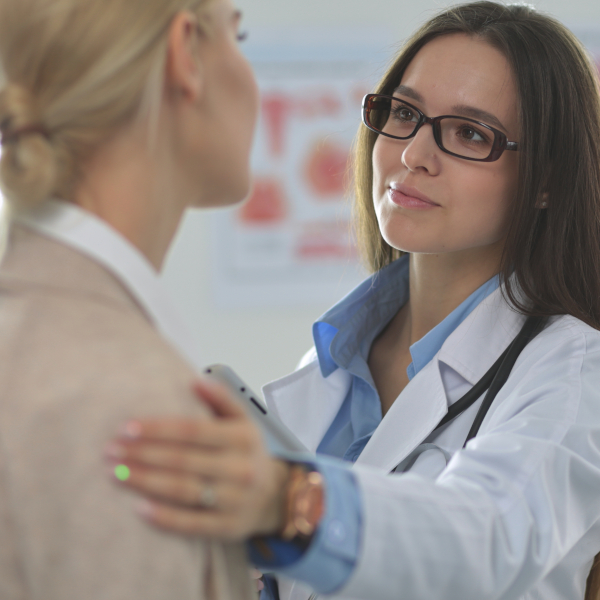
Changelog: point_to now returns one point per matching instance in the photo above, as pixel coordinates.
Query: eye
(404, 114)
(468, 133)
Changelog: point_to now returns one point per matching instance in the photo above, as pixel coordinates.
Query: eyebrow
(463, 110)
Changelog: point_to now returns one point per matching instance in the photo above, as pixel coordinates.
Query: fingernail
(146, 509)
(122, 472)
(131, 429)
(114, 450)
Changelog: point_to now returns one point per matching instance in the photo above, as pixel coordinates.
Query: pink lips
(409, 197)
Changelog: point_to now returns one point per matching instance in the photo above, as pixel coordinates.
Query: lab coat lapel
(482, 337)
(413, 416)
(307, 402)
(470, 350)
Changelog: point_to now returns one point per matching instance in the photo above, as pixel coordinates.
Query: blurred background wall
(248, 321)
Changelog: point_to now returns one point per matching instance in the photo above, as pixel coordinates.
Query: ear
(184, 75)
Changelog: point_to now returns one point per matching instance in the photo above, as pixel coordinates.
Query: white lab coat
(514, 515)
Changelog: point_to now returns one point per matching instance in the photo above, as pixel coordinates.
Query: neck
(439, 283)
(126, 185)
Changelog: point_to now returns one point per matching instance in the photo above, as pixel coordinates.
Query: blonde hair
(73, 72)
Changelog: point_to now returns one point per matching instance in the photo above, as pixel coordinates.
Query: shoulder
(78, 342)
(568, 335)
(555, 381)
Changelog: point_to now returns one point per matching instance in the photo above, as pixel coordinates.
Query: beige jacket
(77, 358)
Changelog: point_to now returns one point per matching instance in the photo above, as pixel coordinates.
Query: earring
(544, 205)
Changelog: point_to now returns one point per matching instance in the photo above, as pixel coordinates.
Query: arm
(222, 452)
(328, 562)
(509, 508)
(521, 499)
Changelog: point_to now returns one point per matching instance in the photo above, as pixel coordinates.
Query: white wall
(264, 344)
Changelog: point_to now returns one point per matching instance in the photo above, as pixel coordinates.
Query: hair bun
(28, 168)
(17, 108)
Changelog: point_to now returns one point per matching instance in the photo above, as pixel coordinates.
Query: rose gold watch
(305, 503)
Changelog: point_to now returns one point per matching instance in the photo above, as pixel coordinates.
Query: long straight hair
(554, 254)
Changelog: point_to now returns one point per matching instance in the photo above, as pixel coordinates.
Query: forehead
(461, 70)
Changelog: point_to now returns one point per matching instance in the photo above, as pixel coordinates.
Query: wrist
(275, 509)
(304, 504)
(294, 513)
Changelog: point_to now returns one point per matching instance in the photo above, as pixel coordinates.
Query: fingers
(173, 460)
(215, 467)
(211, 524)
(185, 491)
(219, 399)
(187, 430)
(167, 429)
(256, 576)
(205, 433)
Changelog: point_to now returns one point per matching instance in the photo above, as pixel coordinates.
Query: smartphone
(279, 438)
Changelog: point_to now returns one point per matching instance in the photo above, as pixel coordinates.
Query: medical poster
(290, 243)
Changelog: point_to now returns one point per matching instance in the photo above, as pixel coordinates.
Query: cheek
(383, 160)
(250, 93)
(387, 166)
(483, 207)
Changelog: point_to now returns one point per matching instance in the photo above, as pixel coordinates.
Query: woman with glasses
(452, 399)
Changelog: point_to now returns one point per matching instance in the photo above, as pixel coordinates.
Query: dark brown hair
(553, 253)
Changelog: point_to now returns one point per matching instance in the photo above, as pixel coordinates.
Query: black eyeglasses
(458, 136)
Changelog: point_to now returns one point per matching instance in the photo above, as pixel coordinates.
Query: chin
(224, 194)
(415, 244)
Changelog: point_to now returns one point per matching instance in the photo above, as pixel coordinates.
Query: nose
(422, 152)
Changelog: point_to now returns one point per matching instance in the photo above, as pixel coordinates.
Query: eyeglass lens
(459, 136)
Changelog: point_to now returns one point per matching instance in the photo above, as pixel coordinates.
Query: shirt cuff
(328, 562)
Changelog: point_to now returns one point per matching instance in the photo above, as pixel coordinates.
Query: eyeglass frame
(499, 145)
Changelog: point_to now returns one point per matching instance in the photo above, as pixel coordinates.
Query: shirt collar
(429, 345)
(344, 334)
(81, 230)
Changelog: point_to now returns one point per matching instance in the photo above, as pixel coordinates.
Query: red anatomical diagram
(325, 169)
(267, 204)
(276, 109)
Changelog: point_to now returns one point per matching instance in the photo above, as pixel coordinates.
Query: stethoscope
(492, 381)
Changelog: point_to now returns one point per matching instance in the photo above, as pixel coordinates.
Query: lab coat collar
(307, 402)
(411, 418)
(475, 345)
(470, 350)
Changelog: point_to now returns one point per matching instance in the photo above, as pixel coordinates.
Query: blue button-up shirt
(343, 337)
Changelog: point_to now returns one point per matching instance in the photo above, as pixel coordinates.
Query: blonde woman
(116, 116)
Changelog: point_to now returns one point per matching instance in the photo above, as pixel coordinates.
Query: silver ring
(208, 497)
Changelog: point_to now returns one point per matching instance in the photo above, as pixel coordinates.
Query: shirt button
(336, 531)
